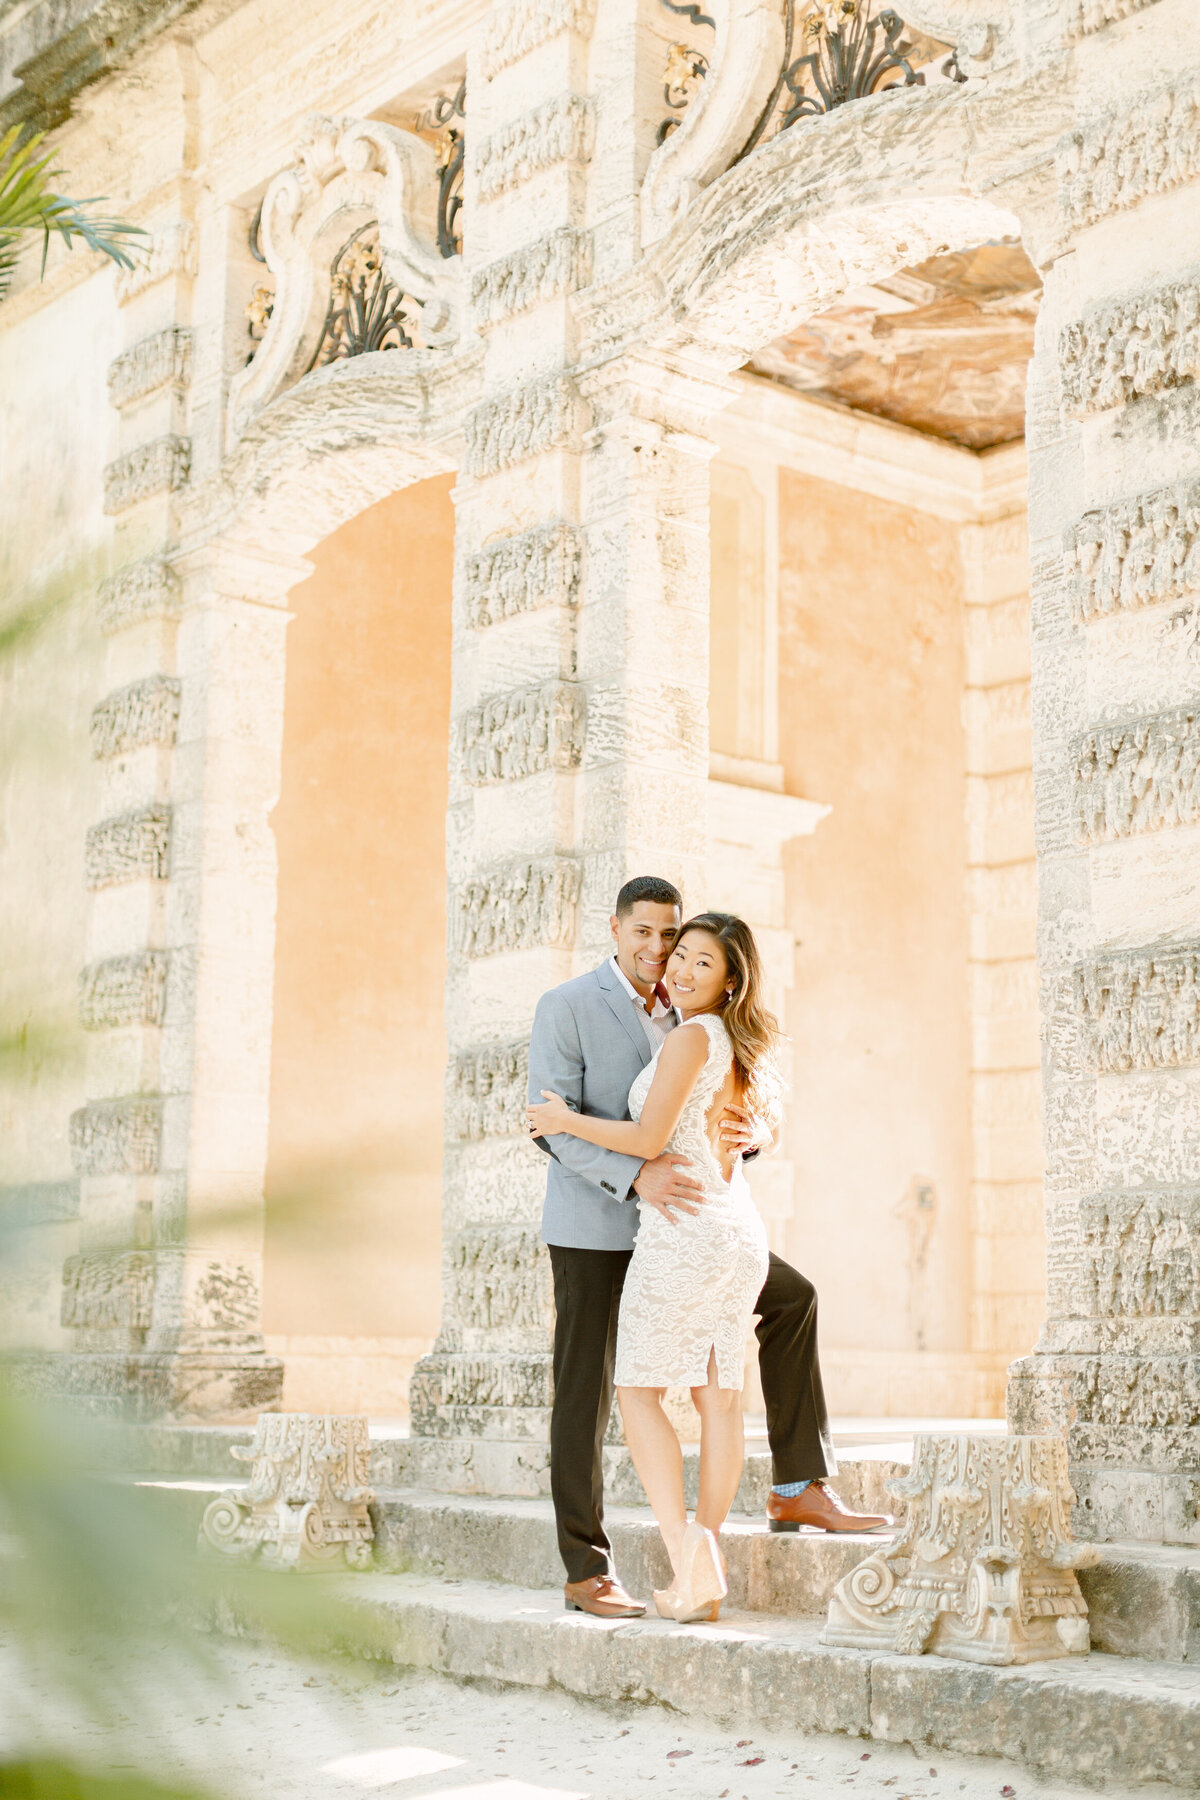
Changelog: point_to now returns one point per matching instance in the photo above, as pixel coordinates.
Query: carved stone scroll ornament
(984, 1568)
(306, 1505)
(743, 66)
(347, 173)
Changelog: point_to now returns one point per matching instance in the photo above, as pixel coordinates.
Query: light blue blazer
(589, 1046)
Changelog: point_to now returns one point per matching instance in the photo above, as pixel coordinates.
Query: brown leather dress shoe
(602, 1596)
(818, 1505)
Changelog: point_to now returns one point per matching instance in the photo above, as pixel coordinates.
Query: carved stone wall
(124, 990)
(1139, 776)
(500, 1280)
(136, 846)
(115, 1137)
(1131, 154)
(1136, 552)
(519, 574)
(145, 712)
(142, 590)
(172, 252)
(1142, 1254)
(559, 131)
(1118, 353)
(158, 467)
(560, 263)
(1137, 1408)
(519, 734)
(162, 360)
(1140, 1009)
(486, 1091)
(546, 415)
(103, 1289)
(513, 31)
(518, 906)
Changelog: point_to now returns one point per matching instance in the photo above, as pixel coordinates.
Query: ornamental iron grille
(367, 311)
(441, 117)
(847, 51)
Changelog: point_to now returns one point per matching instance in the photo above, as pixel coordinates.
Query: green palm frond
(28, 203)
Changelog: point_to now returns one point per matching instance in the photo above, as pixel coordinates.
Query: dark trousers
(587, 1296)
(790, 1371)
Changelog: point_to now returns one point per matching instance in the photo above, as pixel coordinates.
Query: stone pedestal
(306, 1505)
(984, 1568)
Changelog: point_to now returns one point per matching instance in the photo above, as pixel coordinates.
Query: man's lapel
(622, 1008)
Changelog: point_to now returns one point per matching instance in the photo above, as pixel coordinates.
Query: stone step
(1143, 1600)
(403, 1462)
(1097, 1719)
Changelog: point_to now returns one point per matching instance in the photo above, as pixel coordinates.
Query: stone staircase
(468, 1585)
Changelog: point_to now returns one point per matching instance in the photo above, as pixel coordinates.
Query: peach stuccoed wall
(351, 1284)
(871, 682)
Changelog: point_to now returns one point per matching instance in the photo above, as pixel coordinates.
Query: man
(591, 1036)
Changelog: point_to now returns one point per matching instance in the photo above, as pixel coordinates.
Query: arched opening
(351, 1278)
(870, 656)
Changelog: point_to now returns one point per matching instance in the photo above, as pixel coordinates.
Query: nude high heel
(699, 1586)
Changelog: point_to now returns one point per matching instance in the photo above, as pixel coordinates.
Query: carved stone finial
(984, 1567)
(306, 1503)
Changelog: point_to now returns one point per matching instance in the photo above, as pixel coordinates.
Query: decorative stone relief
(1115, 354)
(983, 1570)
(1140, 1008)
(1136, 552)
(519, 574)
(162, 360)
(1129, 155)
(141, 590)
(486, 1091)
(449, 1392)
(518, 906)
(518, 734)
(1148, 1395)
(124, 990)
(155, 468)
(499, 1280)
(117, 1137)
(171, 251)
(558, 264)
(307, 1502)
(560, 131)
(545, 415)
(1093, 15)
(1139, 776)
(346, 172)
(145, 712)
(515, 30)
(1141, 1254)
(107, 1288)
(132, 847)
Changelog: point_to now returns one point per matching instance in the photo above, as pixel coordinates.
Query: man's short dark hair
(647, 887)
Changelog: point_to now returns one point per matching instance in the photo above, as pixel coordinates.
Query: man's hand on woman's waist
(663, 1185)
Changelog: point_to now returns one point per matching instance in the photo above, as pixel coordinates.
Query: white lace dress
(691, 1286)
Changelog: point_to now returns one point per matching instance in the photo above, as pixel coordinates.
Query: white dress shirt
(661, 1018)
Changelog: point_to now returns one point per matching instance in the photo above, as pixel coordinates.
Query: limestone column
(579, 750)
(163, 1295)
(1115, 538)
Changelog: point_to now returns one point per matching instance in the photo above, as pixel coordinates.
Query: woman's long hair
(753, 1029)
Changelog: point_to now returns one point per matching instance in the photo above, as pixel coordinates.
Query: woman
(692, 1283)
